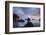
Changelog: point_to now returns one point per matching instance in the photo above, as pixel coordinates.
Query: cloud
(18, 11)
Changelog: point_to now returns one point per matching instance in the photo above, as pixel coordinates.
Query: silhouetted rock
(29, 24)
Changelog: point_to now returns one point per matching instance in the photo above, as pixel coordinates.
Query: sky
(25, 12)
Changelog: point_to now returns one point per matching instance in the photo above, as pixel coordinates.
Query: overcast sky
(26, 11)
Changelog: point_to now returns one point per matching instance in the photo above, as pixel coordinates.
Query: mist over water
(26, 12)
